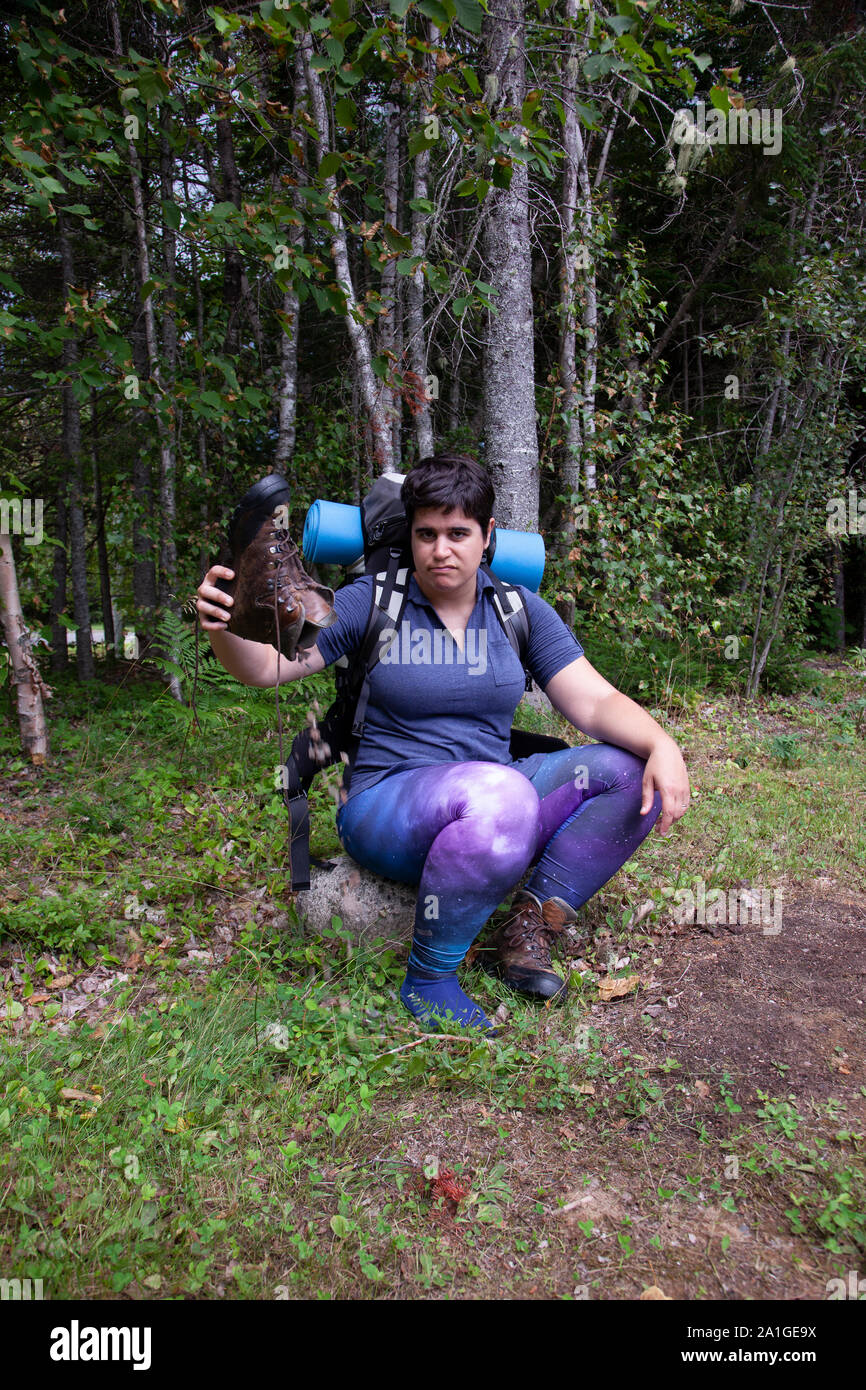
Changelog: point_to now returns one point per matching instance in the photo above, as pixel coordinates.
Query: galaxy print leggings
(466, 833)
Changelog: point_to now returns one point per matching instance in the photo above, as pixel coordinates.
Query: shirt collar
(414, 594)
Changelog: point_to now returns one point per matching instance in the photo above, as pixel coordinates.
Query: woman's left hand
(665, 773)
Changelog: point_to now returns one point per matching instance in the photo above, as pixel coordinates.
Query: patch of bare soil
(611, 1206)
(780, 1013)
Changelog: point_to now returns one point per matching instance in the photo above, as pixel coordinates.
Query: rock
(369, 906)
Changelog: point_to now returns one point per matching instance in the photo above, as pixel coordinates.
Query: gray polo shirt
(429, 701)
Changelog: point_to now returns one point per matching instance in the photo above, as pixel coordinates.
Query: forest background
(616, 251)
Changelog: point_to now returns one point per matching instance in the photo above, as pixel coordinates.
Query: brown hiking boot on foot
(276, 602)
(523, 943)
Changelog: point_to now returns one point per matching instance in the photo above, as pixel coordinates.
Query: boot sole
(494, 969)
(262, 499)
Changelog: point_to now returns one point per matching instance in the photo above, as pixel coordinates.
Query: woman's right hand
(212, 604)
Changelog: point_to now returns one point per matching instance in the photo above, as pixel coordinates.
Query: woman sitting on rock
(435, 798)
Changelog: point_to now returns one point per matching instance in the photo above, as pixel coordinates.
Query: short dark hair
(449, 481)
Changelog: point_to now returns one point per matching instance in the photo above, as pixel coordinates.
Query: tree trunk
(511, 440)
(368, 386)
(30, 689)
(143, 565)
(168, 466)
(417, 344)
(570, 405)
(839, 595)
(201, 432)
(167, 499)
(291, 311)
(101, 546)
(59, 632)
(387, 325)
(72, 453)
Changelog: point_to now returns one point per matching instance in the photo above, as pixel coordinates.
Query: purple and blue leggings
(466, 833)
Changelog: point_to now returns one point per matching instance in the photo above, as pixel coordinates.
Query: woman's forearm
(252, 663)
(617, 719)
(256, 663)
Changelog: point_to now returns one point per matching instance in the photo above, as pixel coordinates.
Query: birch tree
(30, 689)
(510, 437)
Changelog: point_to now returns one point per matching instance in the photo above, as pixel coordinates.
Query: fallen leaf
(586, 1088)
(70, 1093)
(702, 1088)
(654, 1292)
(62, 981)
(37, 998)
(615, 989)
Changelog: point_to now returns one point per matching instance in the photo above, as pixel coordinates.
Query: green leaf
(619, 23)
(469, 14)
(471, 80)
(527, 110)
(719, 98)
(394, 240)
(171, 215)
(335, 48)
(461, 304)
(349, 77)
(465, 187)
(339, 1225)
(421, 205)
(702, 61)
(438, 13)
(347, 113)
(330, 164)
(147, 289)
(76, 176)
(24, 156)
(152, 86)
(418, 142)
(598, 65)
(398, 8)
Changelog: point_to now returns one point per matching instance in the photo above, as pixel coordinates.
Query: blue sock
(429, 1000)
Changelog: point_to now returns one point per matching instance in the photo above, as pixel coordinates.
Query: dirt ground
(776, 1017)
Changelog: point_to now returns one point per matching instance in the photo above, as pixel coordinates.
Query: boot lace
(529, 930)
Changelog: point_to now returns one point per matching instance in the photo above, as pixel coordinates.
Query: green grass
(263, 1129)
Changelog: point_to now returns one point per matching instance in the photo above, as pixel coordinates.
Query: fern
(220, 699)
(175, 641)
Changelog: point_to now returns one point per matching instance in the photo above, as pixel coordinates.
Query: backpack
(387, 556)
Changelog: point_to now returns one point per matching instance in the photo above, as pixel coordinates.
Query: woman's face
(447, 549)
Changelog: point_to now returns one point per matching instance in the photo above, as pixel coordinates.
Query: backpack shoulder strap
(511, 611)
(390, 590)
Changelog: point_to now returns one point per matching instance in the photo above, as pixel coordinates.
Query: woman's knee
(504, 803)
(619, 769)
